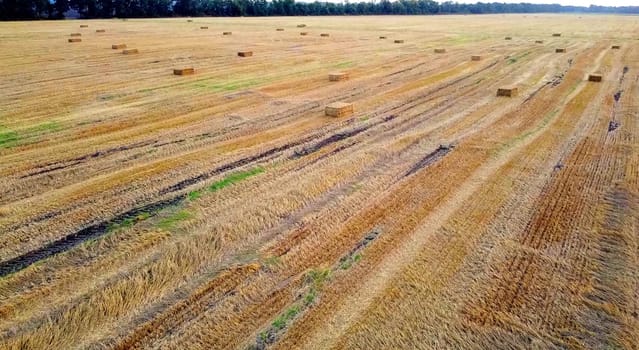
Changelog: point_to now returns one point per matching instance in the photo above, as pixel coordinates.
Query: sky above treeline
(585, 3)
(567, 2)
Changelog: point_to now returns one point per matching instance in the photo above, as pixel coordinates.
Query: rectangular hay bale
(508, 38)
(84, 26)
(100, 30)
(324, 34)
(76, 34)
(539, 41)
(184, 71)
(399, 41)
(382, 37)
(303, 33)
(556, 34)
(118, 46)
(75, 40)
(301, 25)
(560, 50)
(204, 27)
(227, 33)
(337, 76)
(129, 51)
(280, 29)
(245, 53)
(510, 91)
(339, 109)
(595, 77)
(475, 58)
(440, 50)
(616, 47)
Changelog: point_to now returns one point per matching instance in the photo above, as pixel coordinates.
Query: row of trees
(40, 9)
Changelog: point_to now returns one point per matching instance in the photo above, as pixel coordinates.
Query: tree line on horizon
(56, 9)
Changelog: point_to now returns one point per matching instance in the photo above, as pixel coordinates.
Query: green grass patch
(233, 178)
(463, 39)
(127, 222)
(8, 138)
(292, 312)
(11, 138)
(315, 278)
(44, 128)
(318, 276)
(264, 336)
(143, 216)
(525, 135)
(347, 263)
(345, 64)
(573, 88)
(310, 297)
(171, 221)
(229, 85)
(544, 122)
(193, 195)
(516, 58)
(281, 321)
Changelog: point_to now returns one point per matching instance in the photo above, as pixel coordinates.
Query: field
(224, 210)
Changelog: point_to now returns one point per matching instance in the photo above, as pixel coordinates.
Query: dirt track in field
(139, 209)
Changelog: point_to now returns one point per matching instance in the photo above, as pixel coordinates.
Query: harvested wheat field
(220, 208)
